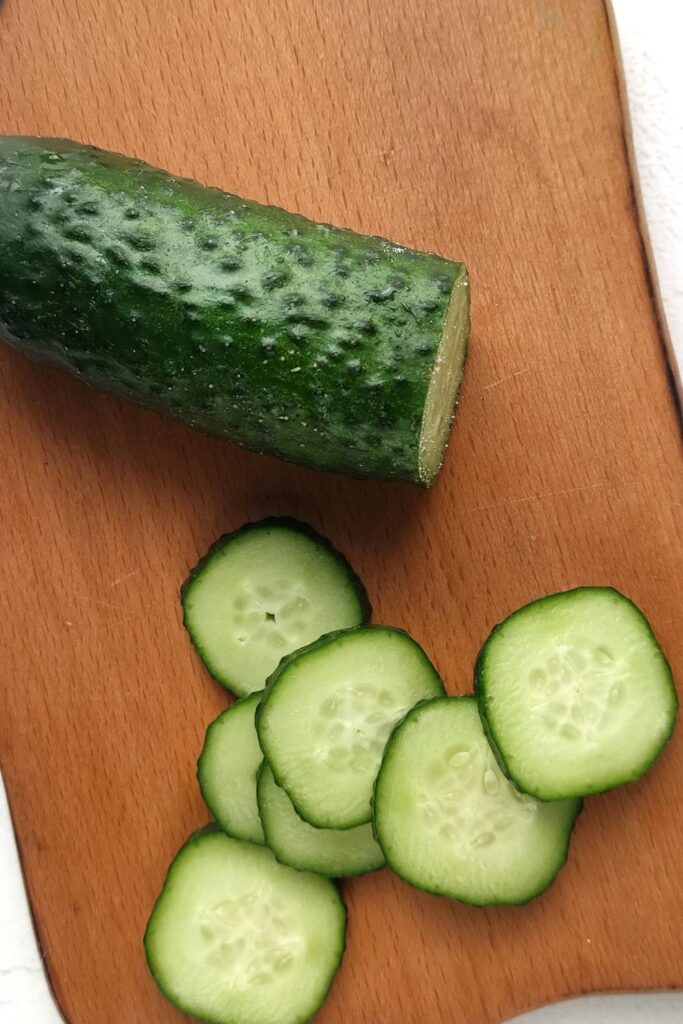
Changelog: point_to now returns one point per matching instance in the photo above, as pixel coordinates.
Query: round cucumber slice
(450, 822)
(327, 851)
(227, 769)
(576, 693)
(327, 712)
(264, 591)
(237, 938)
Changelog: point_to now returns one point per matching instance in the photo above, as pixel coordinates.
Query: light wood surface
(488, 130)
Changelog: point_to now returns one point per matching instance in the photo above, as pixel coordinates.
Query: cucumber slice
(327, 851)
(451, 823)
(327, 712)
(576, 693)
(264, 591)
(237, 938)
(227, 769)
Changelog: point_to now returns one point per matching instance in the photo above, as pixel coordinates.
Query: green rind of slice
(227, 768)
(334, 852)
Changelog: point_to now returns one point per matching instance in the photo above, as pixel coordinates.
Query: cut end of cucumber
(445, 382)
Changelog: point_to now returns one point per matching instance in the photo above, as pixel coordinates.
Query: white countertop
(651, 42)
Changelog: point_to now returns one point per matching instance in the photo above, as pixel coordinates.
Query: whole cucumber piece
(301, 340)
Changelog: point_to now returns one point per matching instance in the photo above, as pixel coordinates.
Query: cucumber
(576, 693)
(450, 822)
(327, 851)
(264, 591)
(227, 770)
(327, 712)
(288, 337)
(237, 938)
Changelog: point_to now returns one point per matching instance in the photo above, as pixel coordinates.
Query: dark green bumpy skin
(297, 339)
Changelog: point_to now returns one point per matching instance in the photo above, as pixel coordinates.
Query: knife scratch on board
(536, 497)
(503, 380)
(122, 578)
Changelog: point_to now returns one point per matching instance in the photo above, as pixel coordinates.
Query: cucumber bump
(285, 336)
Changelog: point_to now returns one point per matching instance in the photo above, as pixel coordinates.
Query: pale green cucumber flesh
(576, 693)
(450, 822)
(264, 591)
(238, 938)
(334, 852)
(328, 711)
(227, 770)
(444, 384)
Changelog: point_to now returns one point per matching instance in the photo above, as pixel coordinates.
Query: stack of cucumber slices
(343, 753)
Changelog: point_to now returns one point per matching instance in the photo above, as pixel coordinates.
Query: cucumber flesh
(327, 851)
(450, 822)
(227, 769)
(576, 693)
(264, 591)
(327, 713)
(443, 385)
(237, 938)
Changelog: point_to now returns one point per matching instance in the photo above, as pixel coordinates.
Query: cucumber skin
(210, 829)
(288, 337)
(285, 522)
(441, 892)
(321, 642)
(204, 789)
(481, 694)
(318, 870)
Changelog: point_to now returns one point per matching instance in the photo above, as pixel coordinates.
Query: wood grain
(488, 130)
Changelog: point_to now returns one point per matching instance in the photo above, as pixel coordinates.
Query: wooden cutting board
(488, 130)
